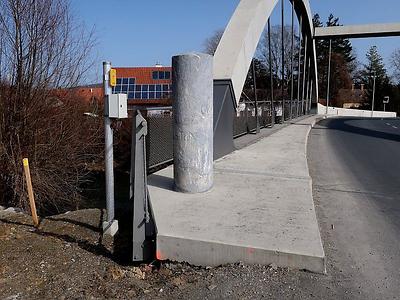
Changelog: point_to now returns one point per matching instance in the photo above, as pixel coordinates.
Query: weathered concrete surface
(260, 209)
(192, 80)
(358, 31)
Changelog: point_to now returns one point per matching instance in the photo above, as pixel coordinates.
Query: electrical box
(118, 106)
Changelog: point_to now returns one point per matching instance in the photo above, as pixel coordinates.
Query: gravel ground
(66, 258)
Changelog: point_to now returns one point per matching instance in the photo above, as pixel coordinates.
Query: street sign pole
(110, 226)
(373, 95)
(386, 100)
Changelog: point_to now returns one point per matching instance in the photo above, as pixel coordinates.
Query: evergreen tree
(342, 61)
(340, 46)
(375, 67)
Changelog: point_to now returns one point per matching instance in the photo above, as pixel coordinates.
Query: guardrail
(159, 142)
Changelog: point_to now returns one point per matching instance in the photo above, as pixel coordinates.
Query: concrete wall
(346, 112)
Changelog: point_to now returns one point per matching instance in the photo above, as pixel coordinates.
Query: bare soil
(67, 258)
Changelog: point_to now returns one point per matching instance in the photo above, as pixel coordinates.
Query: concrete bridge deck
(260, 209)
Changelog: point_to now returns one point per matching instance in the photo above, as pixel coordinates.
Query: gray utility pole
(329, 77)
(373, 94)
(255, 96)
(110, 226)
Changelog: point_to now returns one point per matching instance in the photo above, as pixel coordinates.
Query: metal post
(308, 85)
(373, 95)
(304, 73)
(311, 94)
(255, 96)
(270, 74)
(299, 65)
(292, 67)
(110, 226)
(329, 77)
(384, 107)
(283, 59)
(192, 79)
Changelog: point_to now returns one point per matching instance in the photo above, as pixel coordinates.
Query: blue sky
(140, 33)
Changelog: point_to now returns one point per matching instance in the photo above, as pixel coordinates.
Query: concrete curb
(213, 254)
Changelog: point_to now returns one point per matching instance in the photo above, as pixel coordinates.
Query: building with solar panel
(144, 85)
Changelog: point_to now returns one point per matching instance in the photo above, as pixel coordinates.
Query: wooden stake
(30, 192)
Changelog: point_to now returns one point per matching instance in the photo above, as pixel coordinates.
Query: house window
(161, 75)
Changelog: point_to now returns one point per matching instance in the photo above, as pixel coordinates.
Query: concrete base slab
(260, 209)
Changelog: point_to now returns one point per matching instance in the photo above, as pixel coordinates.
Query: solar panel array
(142, 91)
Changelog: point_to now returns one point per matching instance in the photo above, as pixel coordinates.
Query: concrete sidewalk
(260, 209)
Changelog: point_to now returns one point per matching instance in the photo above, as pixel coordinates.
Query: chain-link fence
(245, 120)
(159, 145)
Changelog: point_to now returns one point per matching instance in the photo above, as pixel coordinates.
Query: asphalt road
(355, 166)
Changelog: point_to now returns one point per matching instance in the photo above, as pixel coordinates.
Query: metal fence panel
(159, 143)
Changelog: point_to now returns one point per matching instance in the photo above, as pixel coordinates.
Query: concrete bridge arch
(234, 55)
(239, 42)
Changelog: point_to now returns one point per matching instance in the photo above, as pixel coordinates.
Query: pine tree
(342, 65)
(375, 67)
(340, 46)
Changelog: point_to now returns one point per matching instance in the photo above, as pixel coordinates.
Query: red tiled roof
(143, 75)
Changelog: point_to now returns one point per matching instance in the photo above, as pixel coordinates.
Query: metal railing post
(271, 75)
(329, 77)
(308, 85)
(304, 73)
(292, 67)
(299, 65)
(255, 96)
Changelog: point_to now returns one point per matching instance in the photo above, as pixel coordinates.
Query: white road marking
(394, 127)
(388, 124)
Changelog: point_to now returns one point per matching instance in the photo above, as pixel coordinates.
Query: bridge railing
(245, 120)
(159, 142)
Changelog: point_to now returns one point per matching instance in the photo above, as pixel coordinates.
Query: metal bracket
(143, 222)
